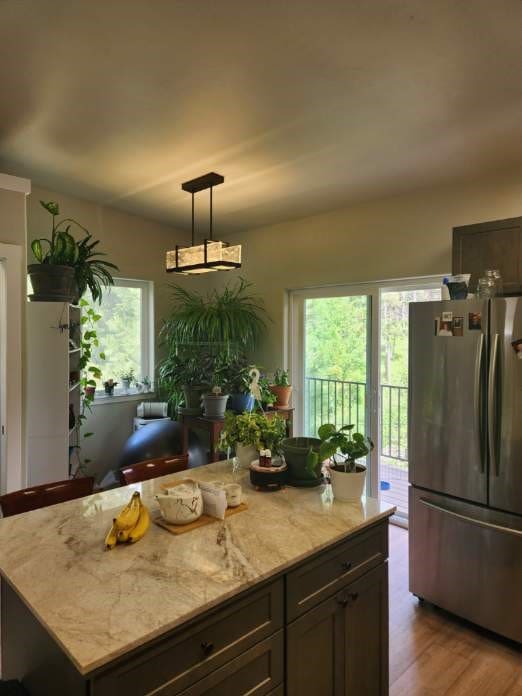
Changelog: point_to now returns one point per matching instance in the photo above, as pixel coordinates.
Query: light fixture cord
(210, 227)
(192, 218)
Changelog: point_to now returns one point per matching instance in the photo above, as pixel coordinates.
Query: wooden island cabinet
(305, 617)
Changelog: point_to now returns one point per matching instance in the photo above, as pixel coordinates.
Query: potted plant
(247, 433)
(304, 464)
(215, 402)
(109, 386)
(268, 398)
(188, 375)
(127, 378)
(66, 267)
(282, 389)
(343, 447)
(239, 381)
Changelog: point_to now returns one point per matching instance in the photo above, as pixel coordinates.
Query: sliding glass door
(349, 361)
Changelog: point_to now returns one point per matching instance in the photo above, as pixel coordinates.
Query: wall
(137, 246)
(404, 236)
(12, 249)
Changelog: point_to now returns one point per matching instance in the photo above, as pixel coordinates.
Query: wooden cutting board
(200, 522)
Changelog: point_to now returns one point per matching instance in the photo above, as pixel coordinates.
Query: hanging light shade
(212, 255)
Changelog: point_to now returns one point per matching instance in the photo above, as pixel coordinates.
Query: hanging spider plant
(67, 267)
(234, 317)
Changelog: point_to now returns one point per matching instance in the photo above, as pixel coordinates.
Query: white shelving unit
(52, 388)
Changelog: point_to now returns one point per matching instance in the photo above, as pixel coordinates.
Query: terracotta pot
(348, 486)
(282, 395)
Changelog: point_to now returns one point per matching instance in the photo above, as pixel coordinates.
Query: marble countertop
(100, 604)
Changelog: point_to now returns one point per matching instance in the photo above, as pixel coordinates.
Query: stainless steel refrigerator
(465, 454)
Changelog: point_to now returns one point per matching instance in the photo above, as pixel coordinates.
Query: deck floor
(398, 492)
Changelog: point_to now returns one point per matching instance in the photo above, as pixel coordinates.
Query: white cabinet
(52, 389)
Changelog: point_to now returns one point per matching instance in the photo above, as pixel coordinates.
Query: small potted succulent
(248, 433)
(127, 378)
(215, 402)
(281, 389)
(343, 448)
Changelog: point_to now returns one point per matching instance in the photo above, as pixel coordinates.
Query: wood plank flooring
(435, 654)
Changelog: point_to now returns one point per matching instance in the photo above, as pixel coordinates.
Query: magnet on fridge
(475, 321)
(458, 326)
(517, 347)
(447, 316)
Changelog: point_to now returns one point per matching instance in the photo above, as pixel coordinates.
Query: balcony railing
(342, 403)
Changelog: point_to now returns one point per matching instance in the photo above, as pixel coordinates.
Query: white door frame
(373, 290)
(12, 312)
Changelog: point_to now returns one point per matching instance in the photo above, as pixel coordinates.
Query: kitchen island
(288, 596)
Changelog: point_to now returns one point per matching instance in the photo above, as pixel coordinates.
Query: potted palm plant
(66, 267)
(282, 389)
(343, 448)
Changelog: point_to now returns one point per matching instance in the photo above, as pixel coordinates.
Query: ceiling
(303, 105)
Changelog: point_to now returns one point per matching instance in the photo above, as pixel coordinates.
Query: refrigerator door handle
(477, 401)
(473, 520)
(492, 403)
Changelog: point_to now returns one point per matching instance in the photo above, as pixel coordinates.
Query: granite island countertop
(100, 604)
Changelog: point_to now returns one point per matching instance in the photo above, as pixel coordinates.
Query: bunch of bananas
(130, 525)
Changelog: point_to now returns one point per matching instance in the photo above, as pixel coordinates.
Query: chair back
(152, 468)
(45, 495)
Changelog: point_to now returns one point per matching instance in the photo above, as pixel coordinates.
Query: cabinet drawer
(189, 655)
(255, 672)
(310, 583)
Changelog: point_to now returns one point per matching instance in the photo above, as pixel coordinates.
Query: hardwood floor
(435, 654)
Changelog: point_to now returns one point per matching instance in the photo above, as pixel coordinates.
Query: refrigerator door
(467, 559)
(447, 379)
(505, 406)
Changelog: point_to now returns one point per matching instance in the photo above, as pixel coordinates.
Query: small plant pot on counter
(245, 454)
(126, 384)
(90, 392)
(214, 405)
(282, 394)
(52, 283)
(241, 403)
(300, 471)
(347, 486)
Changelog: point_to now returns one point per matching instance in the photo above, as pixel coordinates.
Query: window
(126, 333)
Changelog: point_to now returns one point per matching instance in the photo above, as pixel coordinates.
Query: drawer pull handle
(343, 601)
(346, 565)
(354, 596)
(207, 647)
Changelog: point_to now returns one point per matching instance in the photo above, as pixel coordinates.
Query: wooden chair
(45, 495)
(152, 468)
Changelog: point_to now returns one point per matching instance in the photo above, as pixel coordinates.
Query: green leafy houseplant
(281, 378)
(281, 388)
(349, 445)
(128, 375)
(234, 318)
(252, 429)
(62, 251)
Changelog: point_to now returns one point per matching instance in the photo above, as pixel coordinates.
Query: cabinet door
(366, 622)
(315, 651)
(494, 244)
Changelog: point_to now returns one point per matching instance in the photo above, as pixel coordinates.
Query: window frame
(146, 341)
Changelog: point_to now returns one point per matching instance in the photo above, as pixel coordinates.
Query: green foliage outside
(119, 333)
(336, 344)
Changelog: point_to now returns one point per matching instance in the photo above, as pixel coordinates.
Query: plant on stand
(237, 374)
(282, 389)
(66, 267)
(343, 448)
(184, 379)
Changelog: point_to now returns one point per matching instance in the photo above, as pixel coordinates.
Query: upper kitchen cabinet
(496, 244)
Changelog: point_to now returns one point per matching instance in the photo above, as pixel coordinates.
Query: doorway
(349, 363)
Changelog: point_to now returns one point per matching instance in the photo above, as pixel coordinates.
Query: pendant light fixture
(212, 255)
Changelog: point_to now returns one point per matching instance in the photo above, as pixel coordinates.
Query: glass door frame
(296, 343)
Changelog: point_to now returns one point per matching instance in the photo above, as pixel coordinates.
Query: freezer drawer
(467, 560)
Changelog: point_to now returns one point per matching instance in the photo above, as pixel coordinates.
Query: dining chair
(152, 468)
(47, 494)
